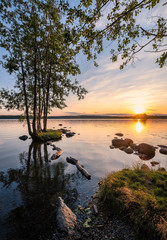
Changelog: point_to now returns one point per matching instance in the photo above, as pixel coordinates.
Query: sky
(141, 87)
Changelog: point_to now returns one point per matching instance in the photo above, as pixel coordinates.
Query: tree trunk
(35, 96)
(39, 108)
(47, 102)
(25, 99)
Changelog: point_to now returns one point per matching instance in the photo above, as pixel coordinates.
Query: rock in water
(117, 143)
(24, 137)
(153, 163)
(134, 146)
(128, 150)
(162, 146)
(163, 151)
(66, 219)
(147, 149)
(129, 141)
(119, 134)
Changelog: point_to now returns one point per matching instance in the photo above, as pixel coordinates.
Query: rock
(119, 134)
(146, 149)
(111, 147)
(100, 183)
(122, 148)
(95, 209)
(117, 143)
(162, 146)
(128, 150)
(70, 134)
(161, 169)
(24, 137)
(144, 156)
(64, 130)
(145, 167)
(66, 219)
(129, 141)
(134, 146)
(153, 163)
(163, 151)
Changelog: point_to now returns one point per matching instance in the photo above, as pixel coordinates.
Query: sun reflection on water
(139, 126)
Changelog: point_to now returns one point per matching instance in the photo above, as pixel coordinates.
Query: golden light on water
(139, 109)
(139, 126)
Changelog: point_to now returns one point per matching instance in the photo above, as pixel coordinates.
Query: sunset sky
(137, 88)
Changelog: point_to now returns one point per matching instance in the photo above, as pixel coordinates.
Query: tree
(122, 29)
(41, 52)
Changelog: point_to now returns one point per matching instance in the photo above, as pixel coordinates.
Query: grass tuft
(142, 195)
(49, 135)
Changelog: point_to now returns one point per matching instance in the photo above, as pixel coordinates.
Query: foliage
(41, 53)
(122, 28)
(86, 223)
(142, 195)
(49, 135)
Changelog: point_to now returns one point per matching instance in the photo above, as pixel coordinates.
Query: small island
(50, 134)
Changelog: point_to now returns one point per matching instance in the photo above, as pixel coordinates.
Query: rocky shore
(99, 224)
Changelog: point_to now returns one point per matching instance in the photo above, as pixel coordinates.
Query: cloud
(72, 113)
(151, 110)
(112, 90)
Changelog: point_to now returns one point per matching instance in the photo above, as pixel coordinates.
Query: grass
(49, 135)
(142, 196)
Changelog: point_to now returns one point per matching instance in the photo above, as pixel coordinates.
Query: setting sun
(139, 109)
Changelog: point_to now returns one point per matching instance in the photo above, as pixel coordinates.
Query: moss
(142, 195)
(49, 135)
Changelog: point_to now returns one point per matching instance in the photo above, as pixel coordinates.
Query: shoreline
(114, 213)
(94, 117)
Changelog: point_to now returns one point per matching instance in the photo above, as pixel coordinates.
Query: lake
(30, 183)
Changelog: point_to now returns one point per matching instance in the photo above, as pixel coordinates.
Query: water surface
(30, 183)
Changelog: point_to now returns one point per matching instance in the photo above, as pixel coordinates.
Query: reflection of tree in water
(40, 184)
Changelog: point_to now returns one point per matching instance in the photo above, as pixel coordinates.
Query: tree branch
(124, 13)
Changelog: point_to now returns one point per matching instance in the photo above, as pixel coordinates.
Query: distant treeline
(92, 117)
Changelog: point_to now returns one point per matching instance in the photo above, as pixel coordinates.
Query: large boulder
(117, 143)
(146, 149)
(66, 219)
(23, 137)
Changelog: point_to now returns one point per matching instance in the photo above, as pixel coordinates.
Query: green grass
(50, 135)
(142, 196)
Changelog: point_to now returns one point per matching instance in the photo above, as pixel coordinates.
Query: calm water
(30, 184)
